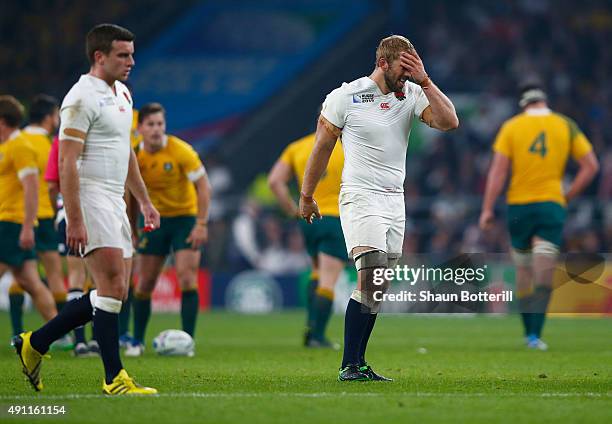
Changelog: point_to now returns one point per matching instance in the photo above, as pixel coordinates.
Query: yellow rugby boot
(31, 360)
(123, 384)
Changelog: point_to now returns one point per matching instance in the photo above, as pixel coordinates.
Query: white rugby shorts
(106, 221)
(373, 219)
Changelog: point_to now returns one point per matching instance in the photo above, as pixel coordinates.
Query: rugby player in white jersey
(96, 162)
(373, 115)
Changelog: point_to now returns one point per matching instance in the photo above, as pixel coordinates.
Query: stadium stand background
(242, 79)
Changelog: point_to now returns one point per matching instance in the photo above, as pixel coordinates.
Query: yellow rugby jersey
(17, 159)
(41, 142)
(539, 143)
(326, 194)
(168, 175)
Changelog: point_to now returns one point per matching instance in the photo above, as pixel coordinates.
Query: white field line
(5, 398)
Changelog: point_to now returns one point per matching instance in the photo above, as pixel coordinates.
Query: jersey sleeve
(24, 159)
(52, 171)
(334, 107)
(78, 112)
(288, 155)
(190, 163)
(580, 145)
(420, 102)
(502, 142)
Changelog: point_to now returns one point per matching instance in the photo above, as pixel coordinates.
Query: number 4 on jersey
(539, 145)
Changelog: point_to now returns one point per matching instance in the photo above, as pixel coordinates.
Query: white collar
(13, 135)
(99, 83)
(35, 129)
(164, 143)
(537, 111)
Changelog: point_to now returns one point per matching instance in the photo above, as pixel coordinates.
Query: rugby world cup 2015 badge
(363, 98)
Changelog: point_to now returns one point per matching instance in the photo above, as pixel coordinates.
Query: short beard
(390, 84)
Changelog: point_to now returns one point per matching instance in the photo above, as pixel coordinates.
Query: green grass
(252, 369)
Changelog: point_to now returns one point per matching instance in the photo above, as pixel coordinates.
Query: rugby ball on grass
(174, 343)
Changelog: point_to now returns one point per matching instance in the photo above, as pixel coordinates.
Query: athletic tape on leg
(545, 248)
(74, 294)
(108, 304)
(93, 294)
(521, 257)
(368, 264)
(393, 259)
(370, 259)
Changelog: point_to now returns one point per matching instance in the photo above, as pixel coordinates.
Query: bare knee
(187, 278)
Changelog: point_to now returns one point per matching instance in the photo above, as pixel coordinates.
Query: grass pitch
(252, 369)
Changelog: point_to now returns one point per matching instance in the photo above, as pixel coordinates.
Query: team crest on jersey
(363, 98)
(167, 166)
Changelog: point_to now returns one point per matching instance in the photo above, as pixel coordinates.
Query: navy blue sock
(541, 298)
(79, 332)
(107, 335)
(79, 335)
(366, 338)
(355, 323)
(310, 296)
(74, 314)
(124, 315)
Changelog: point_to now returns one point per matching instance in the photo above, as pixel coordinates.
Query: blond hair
(391, 47)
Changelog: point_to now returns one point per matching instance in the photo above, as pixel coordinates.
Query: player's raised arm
(325, 140)
(139, 190)
(440, 114)
(278, 180)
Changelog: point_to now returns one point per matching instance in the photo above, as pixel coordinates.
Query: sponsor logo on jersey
(363, 98)
(106, 101)
(385, 105)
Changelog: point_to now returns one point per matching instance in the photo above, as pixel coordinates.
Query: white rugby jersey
(375, 130)
(92, 107)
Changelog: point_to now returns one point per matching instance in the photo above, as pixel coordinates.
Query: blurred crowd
(477, 51)
(42, 47)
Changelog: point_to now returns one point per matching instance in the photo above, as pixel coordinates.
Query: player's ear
(383, 64)
(98, 56)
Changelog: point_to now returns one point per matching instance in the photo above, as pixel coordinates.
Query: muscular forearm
(319, 158)
(495, 184)
(53, 193)
(204, 193)
(281, 192)
(317, 163)
(70, 190)
(30, 194)
(134, 181)
(443, 114)
(580, 182)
